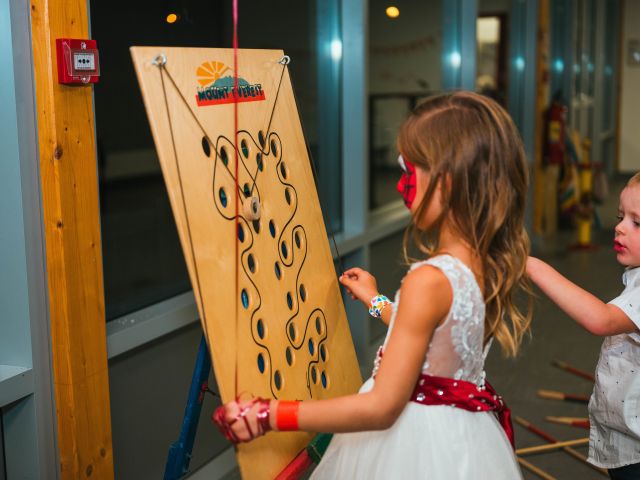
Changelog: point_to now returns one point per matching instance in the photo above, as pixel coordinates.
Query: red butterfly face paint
(407, 183)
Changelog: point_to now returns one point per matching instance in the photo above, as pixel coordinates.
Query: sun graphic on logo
(209, 72)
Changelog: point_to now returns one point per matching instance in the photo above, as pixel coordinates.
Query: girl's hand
(238, 420)
(360, 285)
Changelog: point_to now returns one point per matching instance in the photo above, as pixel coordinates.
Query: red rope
(237, 223)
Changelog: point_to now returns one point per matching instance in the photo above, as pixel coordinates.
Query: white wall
(629, 157)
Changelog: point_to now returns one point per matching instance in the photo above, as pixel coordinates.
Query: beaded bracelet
(378, 303)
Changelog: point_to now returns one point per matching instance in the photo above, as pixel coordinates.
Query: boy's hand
(360, 285)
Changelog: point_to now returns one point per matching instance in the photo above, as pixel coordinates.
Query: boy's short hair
(635, 180)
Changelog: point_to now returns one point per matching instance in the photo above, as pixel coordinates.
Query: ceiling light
(392, 12)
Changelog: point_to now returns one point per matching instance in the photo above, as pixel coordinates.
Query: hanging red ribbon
(237, 222)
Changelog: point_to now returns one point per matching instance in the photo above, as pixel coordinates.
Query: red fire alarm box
(78, 62)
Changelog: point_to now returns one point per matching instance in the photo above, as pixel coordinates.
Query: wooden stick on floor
(571, 451)
(581, 422)
(552, 446)
(569, 397)
(568, 368)
(536, 470)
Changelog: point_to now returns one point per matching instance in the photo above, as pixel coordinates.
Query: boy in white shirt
(614, 409)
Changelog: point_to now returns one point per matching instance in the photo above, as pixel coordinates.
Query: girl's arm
(592, 313)
(426, 300)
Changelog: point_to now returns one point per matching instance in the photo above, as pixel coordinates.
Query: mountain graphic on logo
(214, 89)
(228, 82)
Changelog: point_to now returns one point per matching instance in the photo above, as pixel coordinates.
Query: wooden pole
(536, 470)
(552, 446)
(571, 451)
(581, 422)
(569, 397)
(73, 251)
(568, 368)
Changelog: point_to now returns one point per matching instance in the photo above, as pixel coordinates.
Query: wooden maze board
(292, 339)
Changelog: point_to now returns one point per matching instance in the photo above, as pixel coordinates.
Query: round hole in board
(260, 329)
(272, 228)
(261, 363)
(319, 328)
(246, 190)
(323, 352)
(244, 296)
(224, 156)
(288, 353)
(259, 161)
(312, 347)
(240, 232)
(245, 148)
(284, 249)
(256, 225)
(277, 380)
(261, 138)
(324, 380)
(287, 196)
(292, 332)
(314, 374)
(303, 293)
(206, 148)
(274, 148)
(251, 263)
(289, 301)
(283, 170)
(223, 197)
(296, 237)
(278, 271)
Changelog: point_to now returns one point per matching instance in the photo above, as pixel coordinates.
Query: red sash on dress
(432, 390)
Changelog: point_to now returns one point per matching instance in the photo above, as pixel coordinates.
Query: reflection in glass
(493, 51)
(143, 261)
(405, 55)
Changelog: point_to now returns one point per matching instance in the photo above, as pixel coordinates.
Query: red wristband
(287, 415)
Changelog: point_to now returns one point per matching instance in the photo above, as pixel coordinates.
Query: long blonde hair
(470, 141)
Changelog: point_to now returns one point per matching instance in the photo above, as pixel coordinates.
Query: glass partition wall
(405, 57)
(143, 262)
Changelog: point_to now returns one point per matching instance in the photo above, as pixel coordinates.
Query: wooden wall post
(545, 181)
(68, 170)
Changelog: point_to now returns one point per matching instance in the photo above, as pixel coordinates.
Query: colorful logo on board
(216, 86)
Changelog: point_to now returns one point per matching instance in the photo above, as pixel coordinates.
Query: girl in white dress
(427, 411)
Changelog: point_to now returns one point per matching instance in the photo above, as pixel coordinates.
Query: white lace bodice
(456, 349)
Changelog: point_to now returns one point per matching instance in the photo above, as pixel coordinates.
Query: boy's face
(627, 239)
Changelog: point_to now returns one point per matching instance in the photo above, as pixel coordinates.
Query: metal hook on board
(160, 60)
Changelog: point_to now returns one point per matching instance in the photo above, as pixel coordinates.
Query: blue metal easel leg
(180, 451)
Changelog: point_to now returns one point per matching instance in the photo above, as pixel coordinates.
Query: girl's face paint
(407, 184)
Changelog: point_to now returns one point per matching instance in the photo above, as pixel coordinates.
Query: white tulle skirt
(430, 442)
